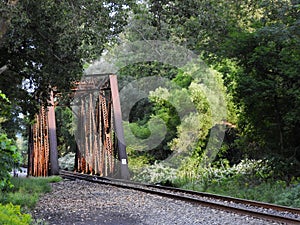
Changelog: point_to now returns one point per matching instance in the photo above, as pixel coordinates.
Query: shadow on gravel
(112, 218)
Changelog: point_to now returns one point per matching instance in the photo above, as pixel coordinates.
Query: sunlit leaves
(9, 158)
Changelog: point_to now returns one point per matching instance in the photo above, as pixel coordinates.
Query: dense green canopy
(44, 44)
(254, 44)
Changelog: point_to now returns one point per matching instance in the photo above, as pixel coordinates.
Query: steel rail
(181, 195)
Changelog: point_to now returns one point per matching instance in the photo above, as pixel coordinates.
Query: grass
(270, 191)
(250, 179)
(264, 192)
(260, 180)
(26, 191)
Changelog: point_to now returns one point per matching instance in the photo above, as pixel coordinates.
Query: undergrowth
(250, 179)
(17, 201)
(11, 215)
(26, 191)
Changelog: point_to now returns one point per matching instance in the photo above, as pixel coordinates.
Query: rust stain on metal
(119, 127)
(100, 147)
(39, 152)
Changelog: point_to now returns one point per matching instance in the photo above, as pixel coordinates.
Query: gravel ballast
(84, 203)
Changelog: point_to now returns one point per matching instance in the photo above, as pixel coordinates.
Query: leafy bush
(157, 173)
(138, 160)
(4, 107)
(67, 161)
(250, 179)
(11, 215)
(291, 197)
(252, 172)
(141, 132)
(26, 191)
(9, 158)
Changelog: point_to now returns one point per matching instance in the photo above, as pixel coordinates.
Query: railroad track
(256, 209)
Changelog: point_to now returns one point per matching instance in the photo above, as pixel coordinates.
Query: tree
(150, 22)
(46, 43)
(267, 87)
(65, 131)
(255, 43)
(9, 156)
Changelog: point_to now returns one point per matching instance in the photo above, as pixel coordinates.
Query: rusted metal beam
(38, 158)
(119, 127)
(52, 137)
(107, 134)
(100, 136)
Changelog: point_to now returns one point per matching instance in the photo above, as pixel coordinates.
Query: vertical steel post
(118, 127)
(52, 137)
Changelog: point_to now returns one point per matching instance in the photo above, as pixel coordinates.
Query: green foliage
(9, 157)
(140, 131)
(207, 96)
(46, 43)
(265, 86)
(255, 47)
(183, 80)
(4, 107)
(167, 108)
(189, 106)
(252, 171)
(291, 197)
(145, 69)
(3, 97)
(250, 179)
(11, 215)
(156, 173)
(22, 145)
(138, 160)
(235, 187)
(22, 197)
(255, 44)
(67, 161)
(26, 191)
(139, 157)
(65, 131)
(6, 114)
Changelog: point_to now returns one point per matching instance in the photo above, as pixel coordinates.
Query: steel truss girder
(101, 146)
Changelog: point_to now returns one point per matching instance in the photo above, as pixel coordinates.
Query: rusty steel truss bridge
(99, 132)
